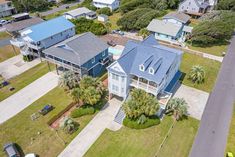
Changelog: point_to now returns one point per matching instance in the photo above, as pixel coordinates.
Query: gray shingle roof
(78, 11)
(78, 49)
(164, 27)
(177, 16)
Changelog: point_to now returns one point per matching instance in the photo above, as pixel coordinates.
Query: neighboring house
(194, 7)
(171, 29)
(6, 8)
(14, 28)
(145, 65)
(80, 12)
(112, 4)
(41, 36)
(84, 54)
(103, 18)
(177, 18)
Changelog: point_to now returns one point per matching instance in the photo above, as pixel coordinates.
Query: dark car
(11, 150)
(46, 109)
(111, 43)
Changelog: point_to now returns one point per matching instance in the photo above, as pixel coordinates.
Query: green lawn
(231, 136)
(22, 130)
(113, 20)
(7, 52)
(145, 143)
(211, 67)
(24, 79)
(214, 50)
(4, 35)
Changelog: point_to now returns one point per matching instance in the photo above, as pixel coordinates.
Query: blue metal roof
(49, 28)
(136, 54)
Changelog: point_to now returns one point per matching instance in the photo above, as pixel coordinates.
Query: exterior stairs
(120, 116)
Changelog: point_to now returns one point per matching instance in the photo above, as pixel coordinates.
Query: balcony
(144, 86)
(18, 42)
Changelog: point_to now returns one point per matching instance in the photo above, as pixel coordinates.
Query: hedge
(82, 111)
(54, 118)
(134, 125)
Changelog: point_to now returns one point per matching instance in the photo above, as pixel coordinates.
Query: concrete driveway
(15, 66)
(26, 96)
(195, 98)
(80, 145)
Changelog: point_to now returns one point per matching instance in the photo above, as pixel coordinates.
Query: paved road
(25, 97)
(15, 66)
(195, 98)
(5, 42)
(212, 135)
(62, 7)
(80, 145)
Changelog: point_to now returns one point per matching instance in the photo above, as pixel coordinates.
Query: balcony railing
(17, 42)
(141, 85)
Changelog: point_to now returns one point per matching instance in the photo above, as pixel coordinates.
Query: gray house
(84, 54)
(194, 7)
(80, 12)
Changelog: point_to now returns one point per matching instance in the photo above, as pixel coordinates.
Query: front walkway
(26, 96)
(15, 66)
(195, 98)
(84, 140)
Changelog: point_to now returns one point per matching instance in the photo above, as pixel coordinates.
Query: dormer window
(141, 67)
(151, 71)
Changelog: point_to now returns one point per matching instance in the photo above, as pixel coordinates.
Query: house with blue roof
(145, 65)
(41, 36)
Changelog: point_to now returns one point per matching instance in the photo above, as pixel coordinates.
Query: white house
(6, 8)
(146, 65)
(103, 18)
(41, 36)
(80, 12)
(112, 4)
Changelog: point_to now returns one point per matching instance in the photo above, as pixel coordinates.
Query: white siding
(189, 5)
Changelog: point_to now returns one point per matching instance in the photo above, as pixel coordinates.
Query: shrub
(133, 124)
(105, 11)
(84, 110)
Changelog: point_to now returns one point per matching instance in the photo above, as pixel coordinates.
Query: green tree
(144, 33)
(69, 125)
(197, 74)
(105, 11)
(141, 103)
(68, 80)
(226, 5)
(178, 106)
(30, 5)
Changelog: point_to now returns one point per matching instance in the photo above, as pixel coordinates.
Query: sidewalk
(15, 66)
(26, 96)
(84, 140)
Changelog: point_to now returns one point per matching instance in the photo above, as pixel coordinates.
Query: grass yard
(214, 50)
(24, 79)
(113, 20)
(145, 143)
(211, 67)
(193, 22)
(4, 35)
(7, 52)
(22, 130)
(231, 136)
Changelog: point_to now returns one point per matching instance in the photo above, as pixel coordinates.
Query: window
(103, 53)
(93, 60)
(51, 37)
(141, 67)
(122, 90)
(115, 77)
(123, 78)
(189, 3)
(115, 88)
(151, 71)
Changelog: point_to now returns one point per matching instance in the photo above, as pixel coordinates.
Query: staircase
(120, 116)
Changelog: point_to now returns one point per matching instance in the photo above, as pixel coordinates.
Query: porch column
(148, 85)
(56, 69)
(14, 50)
(138, 81)
(48, 66)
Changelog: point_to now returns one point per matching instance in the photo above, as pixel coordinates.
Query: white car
(31, 155)
(3, 22)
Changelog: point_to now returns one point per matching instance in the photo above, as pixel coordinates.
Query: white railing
(147, 87)
(17, 42)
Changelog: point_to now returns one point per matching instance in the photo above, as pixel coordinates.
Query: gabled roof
(78, 49)
(47, 29)
(164, 27)
(78, 11)
(104, 1)
(158, 57)
(179, 16)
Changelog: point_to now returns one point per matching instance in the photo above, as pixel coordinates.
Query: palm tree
(68, 80)
(178, 106)
(90, 96)
(197, 74)
(76, 94)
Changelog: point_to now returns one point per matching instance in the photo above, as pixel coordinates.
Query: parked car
(31, 155)
(11, 150)
(46, 109)
(3, 22)
(111, 43)
(3, 84)
(118, 32)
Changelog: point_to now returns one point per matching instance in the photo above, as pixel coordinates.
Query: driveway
(196, 100)
(80, 145)
(26, 96)
(15, 66)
